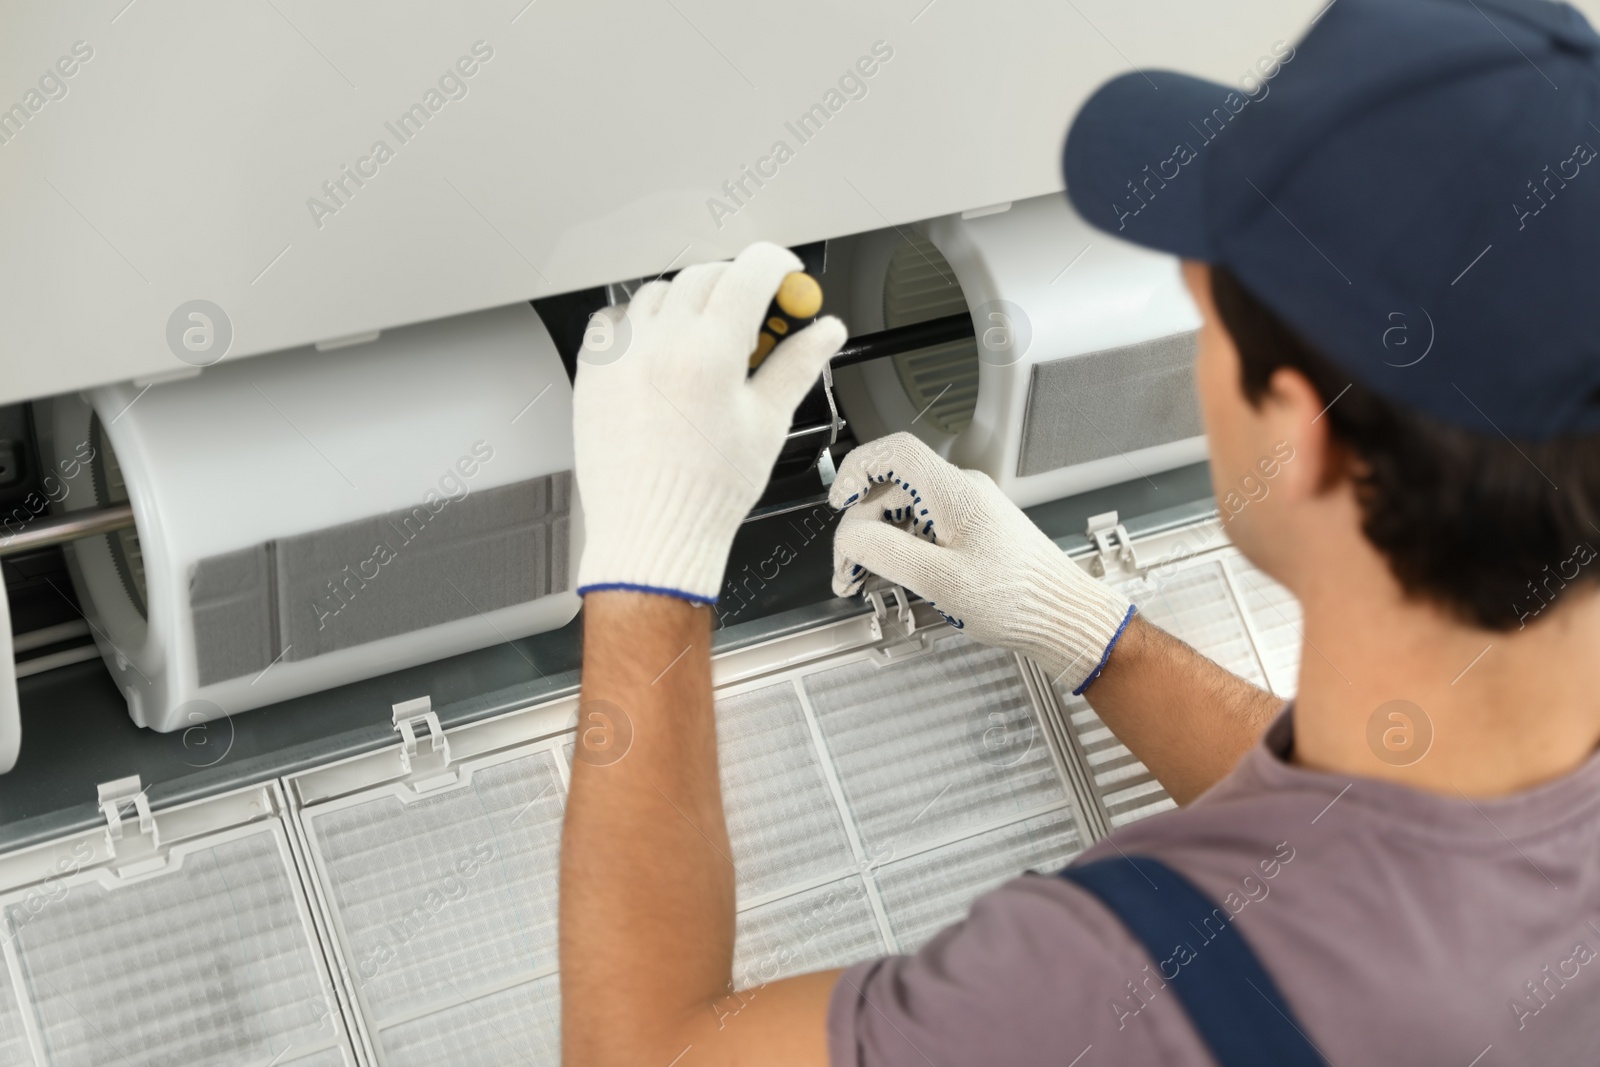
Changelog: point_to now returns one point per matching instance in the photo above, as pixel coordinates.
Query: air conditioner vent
(942, 379)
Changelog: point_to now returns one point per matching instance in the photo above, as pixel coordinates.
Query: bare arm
(1187, 718)
(647, 888)
(673, 440)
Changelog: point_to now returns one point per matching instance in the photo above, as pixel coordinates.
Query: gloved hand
(953, 538)
(674, 445)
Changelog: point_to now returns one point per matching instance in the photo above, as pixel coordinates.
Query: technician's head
(1394, 240)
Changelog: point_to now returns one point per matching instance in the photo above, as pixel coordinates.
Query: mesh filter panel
(14, 1051)
(1124, 786)
(361, 581)
(520, 1025)
(912, 749)
(829, 926)
(457, 889)
(326, 1058)
(1275, 615)
(1195, 605)
(782, 822)
(1117, 400)
(925, 893)
(410, 569)
(210, 964)
(231, 598)
(913, 743)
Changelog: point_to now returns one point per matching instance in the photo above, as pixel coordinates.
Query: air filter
(867, 801)
(1225, 609)
(180, 939)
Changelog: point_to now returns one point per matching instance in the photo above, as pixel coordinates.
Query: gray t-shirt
(1402, 927)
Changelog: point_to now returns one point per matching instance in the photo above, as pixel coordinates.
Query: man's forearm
(646, 876)
(647, 885)
(1187, 718)
(673, 439)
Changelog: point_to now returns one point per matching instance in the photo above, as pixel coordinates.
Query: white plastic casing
(10, 717)
(590, 143)
(260, 449)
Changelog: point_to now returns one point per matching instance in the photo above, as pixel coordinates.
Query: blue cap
(1414, 188)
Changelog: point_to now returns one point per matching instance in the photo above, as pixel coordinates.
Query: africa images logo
(453, 84)
(1252, 87)
(852, 85)
(53, 85)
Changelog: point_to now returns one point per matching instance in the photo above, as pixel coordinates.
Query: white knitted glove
(953, 538)
(673, 444)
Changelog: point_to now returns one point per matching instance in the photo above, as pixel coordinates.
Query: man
(1364, 882)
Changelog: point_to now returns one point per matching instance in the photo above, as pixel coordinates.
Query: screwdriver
(798, 301)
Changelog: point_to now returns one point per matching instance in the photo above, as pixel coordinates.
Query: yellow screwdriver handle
(798, 302)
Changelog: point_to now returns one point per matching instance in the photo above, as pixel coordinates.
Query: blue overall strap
(1231, 1000)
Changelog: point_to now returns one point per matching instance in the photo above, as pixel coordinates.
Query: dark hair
(1491, 530)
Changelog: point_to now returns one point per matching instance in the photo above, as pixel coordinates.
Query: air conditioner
(319, 517)
(1079, 372)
